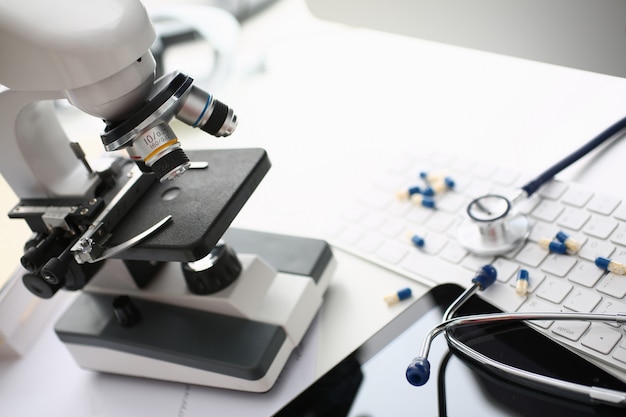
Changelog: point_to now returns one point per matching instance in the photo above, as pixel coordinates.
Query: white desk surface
(331, 104)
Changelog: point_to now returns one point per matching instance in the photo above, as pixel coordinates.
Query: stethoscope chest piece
(492, 229)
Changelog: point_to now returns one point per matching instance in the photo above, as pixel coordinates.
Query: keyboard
(378, 227)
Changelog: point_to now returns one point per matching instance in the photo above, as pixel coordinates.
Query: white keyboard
(378, 228)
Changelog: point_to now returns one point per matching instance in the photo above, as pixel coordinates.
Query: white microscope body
(239, 333)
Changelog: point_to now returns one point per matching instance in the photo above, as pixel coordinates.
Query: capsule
(521, 284)
(553, 245)
(418, 241)
(423, 200)
(439, 186)
(570, 243)
(398, 296)
(611, 266)
(405, 194)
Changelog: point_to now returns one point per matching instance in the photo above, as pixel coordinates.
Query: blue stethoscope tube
(533, 185)
(495, 228)
(418, 372)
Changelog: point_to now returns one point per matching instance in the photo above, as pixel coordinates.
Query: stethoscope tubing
(592, 394)
(549, 173)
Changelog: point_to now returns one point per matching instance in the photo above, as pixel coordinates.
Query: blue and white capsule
(611, 266)
(439, 186)
(406, 194)
(553, 246)
(572, 245)
(521, 284)
(398, 296)
(423, 200)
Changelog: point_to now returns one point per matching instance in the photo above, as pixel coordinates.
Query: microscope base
(192, 345)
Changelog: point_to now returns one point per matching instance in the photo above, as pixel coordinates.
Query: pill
(521, 284)
(398, 296)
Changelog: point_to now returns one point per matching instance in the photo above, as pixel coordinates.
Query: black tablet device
(371, 381)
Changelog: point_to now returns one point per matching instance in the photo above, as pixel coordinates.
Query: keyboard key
(601, 338)
(614, 285)
(372, 220)
(503, 297)
(419, 215)
(571, 330)
(553, 190)
(506, 269)
(452, 202)
(392, 252)
(576, 196)
(585, 273)
(600, 227)
(620, 354)
(594, 248)
(475, 262)
(392, 227)
(453, 252)
(603, 204)
(554, 290)
(619, 236)
(572, 218)
(369, 243)
(435, 269)
(558, 265)
(547, 211)
(440, 222)
(620, 213)
(582, 301)
(531, 255)
(609, 306)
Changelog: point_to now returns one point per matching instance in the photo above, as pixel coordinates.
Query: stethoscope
(494, 227)
(418, 372)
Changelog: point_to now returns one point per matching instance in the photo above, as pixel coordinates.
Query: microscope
(162, 286)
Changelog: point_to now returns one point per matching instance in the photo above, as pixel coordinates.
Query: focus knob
(214, 272)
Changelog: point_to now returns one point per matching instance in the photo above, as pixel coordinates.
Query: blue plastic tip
(562, 237)
(415, 190)
(485, 277)
(602, 262)
(418, 241)
(404, 293)
(418, 372)
(428, 191)
(522, 274)
(423, 174)
(449, 182)
(557, 247)
(428, 202)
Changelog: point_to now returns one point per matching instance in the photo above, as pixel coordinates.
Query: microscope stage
(202, 202)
